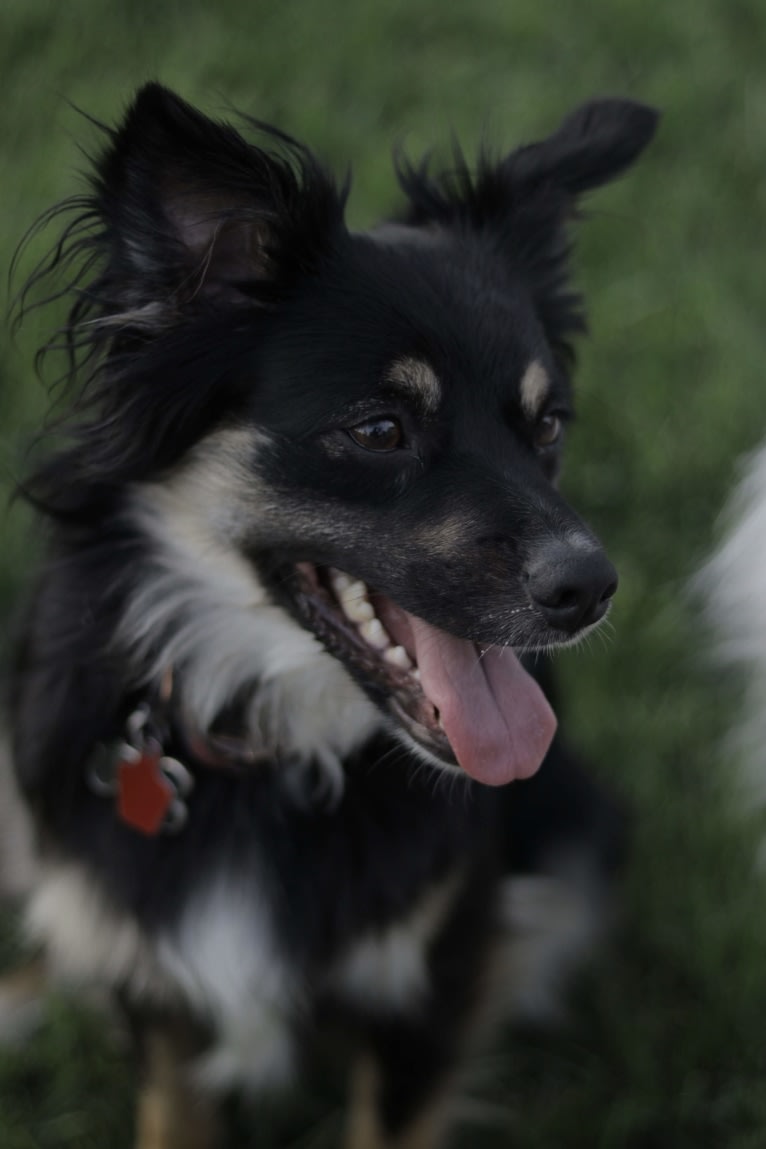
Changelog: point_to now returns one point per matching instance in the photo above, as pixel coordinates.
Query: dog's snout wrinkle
(571, 586)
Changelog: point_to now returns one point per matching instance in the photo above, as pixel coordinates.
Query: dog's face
(384, 411)
(411, 419)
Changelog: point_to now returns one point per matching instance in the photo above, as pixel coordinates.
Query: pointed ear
(593, 145)
(193, 211)
(522, 203)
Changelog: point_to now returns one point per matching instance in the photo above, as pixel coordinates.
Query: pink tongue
(496, 717)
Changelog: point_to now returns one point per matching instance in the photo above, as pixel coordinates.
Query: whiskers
(538, 641)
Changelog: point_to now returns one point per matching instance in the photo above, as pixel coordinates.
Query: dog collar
(150, 787)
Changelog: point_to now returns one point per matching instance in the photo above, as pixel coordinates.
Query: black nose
(572, 586)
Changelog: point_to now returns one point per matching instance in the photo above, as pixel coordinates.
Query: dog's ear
(521, 203)
(193, 211)
(187, 227)
(593, 145)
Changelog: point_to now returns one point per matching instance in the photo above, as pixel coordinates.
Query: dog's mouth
(466, 705)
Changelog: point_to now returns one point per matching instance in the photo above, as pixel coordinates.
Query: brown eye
(377, 435)
(548, 431)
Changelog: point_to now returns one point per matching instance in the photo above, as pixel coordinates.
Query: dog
(305, 538)
(730, 588)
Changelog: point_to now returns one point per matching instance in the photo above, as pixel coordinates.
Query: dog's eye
(377, 434)
(548, 431)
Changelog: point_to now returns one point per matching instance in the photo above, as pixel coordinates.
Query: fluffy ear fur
(192, 210)
(522, 202)
(186, 225)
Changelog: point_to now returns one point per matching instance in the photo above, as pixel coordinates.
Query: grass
(665, 1042)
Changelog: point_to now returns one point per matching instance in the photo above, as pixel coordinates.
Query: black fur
(216, 289)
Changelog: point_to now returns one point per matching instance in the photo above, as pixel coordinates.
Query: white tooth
(354, 590)
(415, 674)
(340, 581)
(372, 631)
(355, 603)
(358, 610)
(398, 656)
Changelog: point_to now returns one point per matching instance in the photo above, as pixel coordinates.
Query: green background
(665, 1041)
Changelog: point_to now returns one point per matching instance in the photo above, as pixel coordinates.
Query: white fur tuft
(225, 957)
(201, 609)
(222, 959)
(551, 923)
(733, 584)
(387, 970)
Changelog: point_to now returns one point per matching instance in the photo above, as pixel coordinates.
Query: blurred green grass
(665, 1043)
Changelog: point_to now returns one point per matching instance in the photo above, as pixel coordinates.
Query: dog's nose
(572, 586)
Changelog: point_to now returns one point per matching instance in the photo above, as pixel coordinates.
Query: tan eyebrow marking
(534, 388)
(416, 380)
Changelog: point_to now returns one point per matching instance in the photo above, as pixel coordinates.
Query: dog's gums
(477, 708)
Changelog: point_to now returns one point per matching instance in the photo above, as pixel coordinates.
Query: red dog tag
(144, 794)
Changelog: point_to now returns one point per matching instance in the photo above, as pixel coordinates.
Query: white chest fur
(226, 958)
(221, 960)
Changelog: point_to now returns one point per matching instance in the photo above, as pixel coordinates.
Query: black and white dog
(303, 524)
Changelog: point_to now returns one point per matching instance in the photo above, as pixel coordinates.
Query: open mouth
(470, 706)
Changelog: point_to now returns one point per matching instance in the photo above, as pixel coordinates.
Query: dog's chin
(377, 641)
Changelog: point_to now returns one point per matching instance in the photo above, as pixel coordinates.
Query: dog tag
(150, 788)
(144, 793)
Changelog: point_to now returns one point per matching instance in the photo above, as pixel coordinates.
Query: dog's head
(379, 416)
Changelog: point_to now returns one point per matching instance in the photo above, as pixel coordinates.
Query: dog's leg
(403, 1088)
(387, 1112)
(172, 1113)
